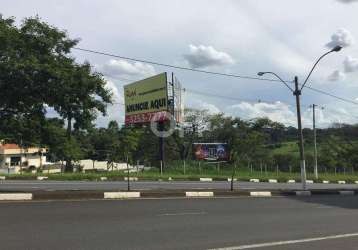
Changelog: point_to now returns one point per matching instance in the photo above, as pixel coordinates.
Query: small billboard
(211, 151)
(146, 100)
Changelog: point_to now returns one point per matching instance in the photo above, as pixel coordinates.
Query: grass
(192, 173)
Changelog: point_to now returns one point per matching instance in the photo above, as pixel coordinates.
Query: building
(13, 158)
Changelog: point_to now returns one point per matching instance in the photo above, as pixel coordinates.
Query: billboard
(146, 100)
(211, 151)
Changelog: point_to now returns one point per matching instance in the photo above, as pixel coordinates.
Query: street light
(297, 92)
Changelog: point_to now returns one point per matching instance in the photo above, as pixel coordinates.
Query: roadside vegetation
(38, 75)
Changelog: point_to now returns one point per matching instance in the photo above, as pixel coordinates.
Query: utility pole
(315, 141)
(297, 93)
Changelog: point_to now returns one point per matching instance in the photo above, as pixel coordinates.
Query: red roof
(9, 146)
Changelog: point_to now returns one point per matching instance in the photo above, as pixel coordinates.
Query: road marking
(288, 242)
(180, 214)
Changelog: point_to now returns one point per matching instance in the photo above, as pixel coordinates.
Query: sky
(239, 37)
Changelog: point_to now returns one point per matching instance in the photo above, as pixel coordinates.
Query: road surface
(298, 223)
(33, 185)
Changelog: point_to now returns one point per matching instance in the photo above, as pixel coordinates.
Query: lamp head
(337, 48)
(260, 73)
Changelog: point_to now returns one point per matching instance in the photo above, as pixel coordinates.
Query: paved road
(181, 223)
(152, 185)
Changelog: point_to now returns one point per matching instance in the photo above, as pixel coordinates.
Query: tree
(129, 143)
(31, 57)
(81, 96)
(196, 122)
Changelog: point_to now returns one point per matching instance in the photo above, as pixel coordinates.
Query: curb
(206, 179)
(202, 179)
(88, 195)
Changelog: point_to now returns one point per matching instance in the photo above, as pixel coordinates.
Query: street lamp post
(297, 91)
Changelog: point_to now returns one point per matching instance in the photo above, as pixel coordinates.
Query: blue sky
(239, 37)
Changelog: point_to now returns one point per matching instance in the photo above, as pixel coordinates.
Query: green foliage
(37, 72)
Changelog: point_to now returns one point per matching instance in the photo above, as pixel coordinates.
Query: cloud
(348, 1)
(119, 68)
(350, 64)
(341, 37)
(277, 111)
(201, 105)
(116, 95)
(116, 111)
(205, 56)
(336, 75)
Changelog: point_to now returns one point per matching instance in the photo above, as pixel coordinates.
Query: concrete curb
(261, 194)
(121, 195)
(206, 179)
(87, 195)
(199, 194)
(131, 178)
(203, 179)
(15, 196)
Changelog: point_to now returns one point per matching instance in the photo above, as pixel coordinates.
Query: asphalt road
(181, 224)
(155, 185)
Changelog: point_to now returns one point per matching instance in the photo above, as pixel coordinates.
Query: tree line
(38, 73)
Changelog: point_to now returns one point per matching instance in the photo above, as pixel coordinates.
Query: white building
(13, 157)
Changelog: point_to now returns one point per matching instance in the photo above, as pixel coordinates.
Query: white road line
(180, 214)
(288, 242)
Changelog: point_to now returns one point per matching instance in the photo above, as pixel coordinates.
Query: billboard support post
(128, 181)
(184, 166)
(232, 176)
(161, 147)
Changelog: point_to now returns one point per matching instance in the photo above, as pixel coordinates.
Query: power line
(331, 95)
(212, 73)
(178, 67)
(226, 97)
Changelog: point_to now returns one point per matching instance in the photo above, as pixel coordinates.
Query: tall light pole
(315, 139)
(297, 92)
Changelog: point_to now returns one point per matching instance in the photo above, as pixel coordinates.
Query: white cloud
(205, 56)
(348, 1)
(277, 111)
(341, 37)
(336, 75)
(119, 68)
(350, 64)
(116, 95)
(201, 105)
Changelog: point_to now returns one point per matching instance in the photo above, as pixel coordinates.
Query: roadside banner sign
(211, 151)
(146, 100)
